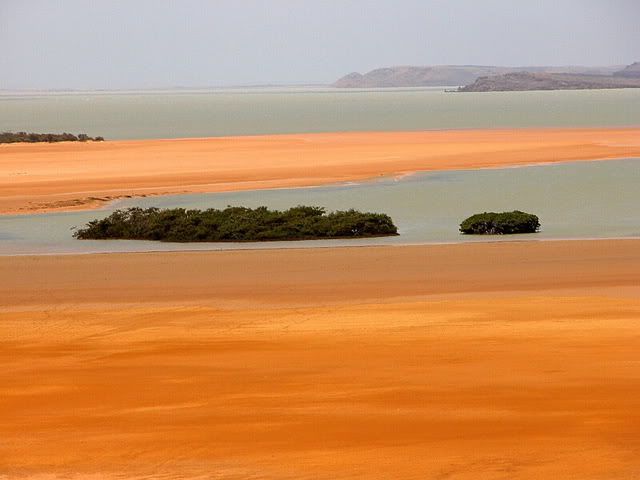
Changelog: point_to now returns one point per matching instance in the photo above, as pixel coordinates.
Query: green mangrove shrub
(236, 224)
(505, 223)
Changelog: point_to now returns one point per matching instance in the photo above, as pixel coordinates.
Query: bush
(236, 224)
(11, 137)
(505, 223)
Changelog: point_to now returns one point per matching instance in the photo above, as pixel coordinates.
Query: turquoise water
(268, 111)
(573, 200)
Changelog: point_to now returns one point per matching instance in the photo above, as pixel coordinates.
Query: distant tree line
(236, 224)
(16, 137)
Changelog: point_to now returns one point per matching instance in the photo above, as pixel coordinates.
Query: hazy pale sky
(160, 43)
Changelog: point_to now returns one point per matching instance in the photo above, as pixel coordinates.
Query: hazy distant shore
(431, 75)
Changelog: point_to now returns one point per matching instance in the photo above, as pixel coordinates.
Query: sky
(119, 44)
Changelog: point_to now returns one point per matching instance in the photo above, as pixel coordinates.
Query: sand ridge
(507, 360)
(71, 176)
(318, 276)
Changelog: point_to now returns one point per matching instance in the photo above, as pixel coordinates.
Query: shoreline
(325, 247)
(397, 176)
(318, 275)
(38, 178)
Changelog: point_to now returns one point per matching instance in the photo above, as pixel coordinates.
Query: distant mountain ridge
(450, 75)
(632, 71)
(628, 77)
(526, 81)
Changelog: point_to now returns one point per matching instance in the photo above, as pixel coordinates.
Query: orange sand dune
(484, 361)
(43, 177)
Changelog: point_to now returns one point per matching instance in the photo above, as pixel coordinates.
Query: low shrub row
(236, 224)
(17, 137)
(241, 224)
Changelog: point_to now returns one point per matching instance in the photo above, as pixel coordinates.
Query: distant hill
(448, 75)
(632, 71)
(522, 81)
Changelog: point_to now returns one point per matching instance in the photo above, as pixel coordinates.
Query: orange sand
(485, 361)
(44, 177)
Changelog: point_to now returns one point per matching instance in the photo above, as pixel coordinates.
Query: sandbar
(72, 175)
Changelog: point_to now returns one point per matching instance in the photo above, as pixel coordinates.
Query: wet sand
(71, 176)
(486, 361)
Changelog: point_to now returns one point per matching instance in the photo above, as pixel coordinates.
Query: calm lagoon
(573, 200)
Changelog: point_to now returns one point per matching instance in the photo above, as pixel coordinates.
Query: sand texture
(68, 176)
(485, 361)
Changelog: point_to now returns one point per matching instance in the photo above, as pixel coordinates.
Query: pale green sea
(138, 115)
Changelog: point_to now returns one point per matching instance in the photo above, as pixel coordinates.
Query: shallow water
(222, 112)
(573, 200)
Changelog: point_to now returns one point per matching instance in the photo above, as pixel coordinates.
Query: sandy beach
(485, 361)
(68, 176)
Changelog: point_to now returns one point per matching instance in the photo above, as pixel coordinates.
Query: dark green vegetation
(236, 224)
(505, 223)
(11, 137)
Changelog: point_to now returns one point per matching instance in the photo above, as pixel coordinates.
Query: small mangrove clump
(236, 224)
(505, 223)
(17, 137)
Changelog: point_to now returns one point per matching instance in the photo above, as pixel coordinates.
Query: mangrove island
(236, 224)
(505, 223)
